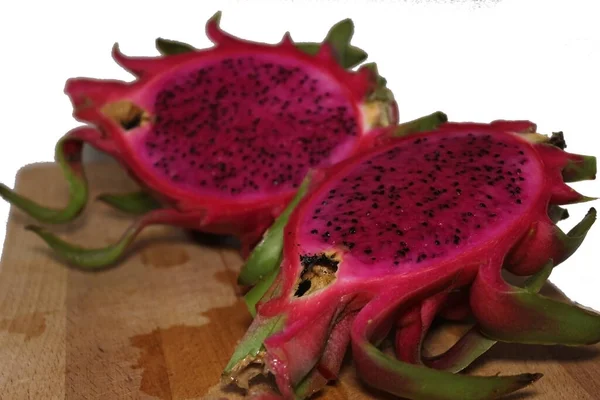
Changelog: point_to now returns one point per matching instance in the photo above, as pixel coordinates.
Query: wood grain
(164, 322)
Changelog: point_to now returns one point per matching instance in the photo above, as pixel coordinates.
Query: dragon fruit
(421, 227)
(220, 138)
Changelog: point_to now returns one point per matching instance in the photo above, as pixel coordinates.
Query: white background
(474, 60)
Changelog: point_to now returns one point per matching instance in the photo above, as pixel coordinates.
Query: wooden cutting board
(163, 324)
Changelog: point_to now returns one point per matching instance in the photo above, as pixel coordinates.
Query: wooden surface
(163, 324)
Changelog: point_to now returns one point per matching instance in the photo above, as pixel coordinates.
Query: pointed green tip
(537, 319)
(528, 379)
(418, 382)
(252, 342)
(7, 193)
(90, 259)
(551, 322)
(427, 123)
(342, 32)
(345, 22)
(353, 56)
(68, 157)
(535, 282)
(344, 27)
(338, 38)
(47, 215)
(575, 237)
(372, 66)
(169, 47)
(216, 18)
(557, 213)
(136, 203)
(266, 256)
(586, 223)
(585, 168)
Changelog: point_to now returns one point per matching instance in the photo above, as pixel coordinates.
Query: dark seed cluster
(309, 261)
(425, 198)
(247, 125)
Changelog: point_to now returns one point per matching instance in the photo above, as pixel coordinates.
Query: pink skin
(378, 291)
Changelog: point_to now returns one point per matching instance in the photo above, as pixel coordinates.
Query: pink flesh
(230, 133)
(414, 213)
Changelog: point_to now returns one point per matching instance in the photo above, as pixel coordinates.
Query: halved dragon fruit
(220, 138)
(421, 227)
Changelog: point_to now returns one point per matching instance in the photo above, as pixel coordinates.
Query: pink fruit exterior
(420, 227)
(222, 137)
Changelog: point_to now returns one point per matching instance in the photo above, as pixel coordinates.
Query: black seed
(303, 287)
